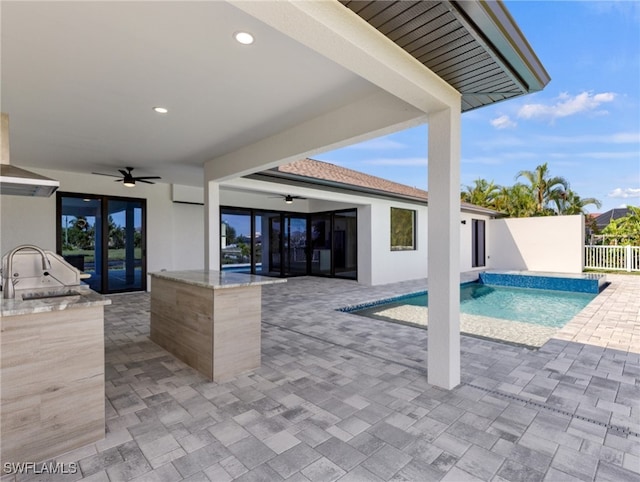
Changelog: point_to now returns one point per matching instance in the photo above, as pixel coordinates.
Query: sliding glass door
(345, 244)
(80, 227)
(104, 237)
(321, 244)
(294, 247)
(124, 245)
(289, 244)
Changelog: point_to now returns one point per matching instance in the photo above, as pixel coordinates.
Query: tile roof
(605, 218)
(326, 171)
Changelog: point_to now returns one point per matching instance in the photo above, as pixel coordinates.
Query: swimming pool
(523, 316)
(541, 307)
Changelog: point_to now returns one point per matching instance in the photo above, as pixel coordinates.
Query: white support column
(212, 225)
(444, 249)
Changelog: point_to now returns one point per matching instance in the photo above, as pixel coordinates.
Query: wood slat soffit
(474, 46)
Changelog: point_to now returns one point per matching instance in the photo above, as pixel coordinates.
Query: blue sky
(585, 124)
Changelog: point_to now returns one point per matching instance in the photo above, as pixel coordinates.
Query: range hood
(15, 181)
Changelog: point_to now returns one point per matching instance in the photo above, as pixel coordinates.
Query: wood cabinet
(51, 382)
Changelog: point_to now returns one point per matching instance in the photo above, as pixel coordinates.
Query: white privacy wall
(175, 232)
(550, 243)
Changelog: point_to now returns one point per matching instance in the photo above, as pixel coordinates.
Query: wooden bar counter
(209, 319)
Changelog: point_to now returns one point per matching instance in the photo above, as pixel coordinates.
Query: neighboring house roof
(327, 174)
(603, 220)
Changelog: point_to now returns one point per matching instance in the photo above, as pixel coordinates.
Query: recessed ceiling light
(161, 110)
(245, 38)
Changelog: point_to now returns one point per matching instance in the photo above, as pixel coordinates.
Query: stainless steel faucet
(8, 289)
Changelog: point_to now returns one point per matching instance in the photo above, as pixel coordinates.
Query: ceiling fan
(129, 179)
(288, 198)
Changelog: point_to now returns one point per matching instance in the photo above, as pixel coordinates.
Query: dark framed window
(403, 229)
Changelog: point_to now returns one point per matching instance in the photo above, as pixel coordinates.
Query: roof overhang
(475, 46)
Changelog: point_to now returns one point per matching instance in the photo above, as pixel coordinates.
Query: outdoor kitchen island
(51, 373)
(209, 319)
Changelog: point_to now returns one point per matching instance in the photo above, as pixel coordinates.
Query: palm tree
(544, 187)
(625, 230)
(482, 193)
(516, 201)
(571, 203)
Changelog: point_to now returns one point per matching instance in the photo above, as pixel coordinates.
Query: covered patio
(341, 397)
(320, 75)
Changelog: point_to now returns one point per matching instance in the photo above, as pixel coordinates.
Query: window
(403, 224)
(477, 243)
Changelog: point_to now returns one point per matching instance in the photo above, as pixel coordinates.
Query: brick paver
(343, 397)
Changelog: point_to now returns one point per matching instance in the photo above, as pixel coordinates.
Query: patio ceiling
(79, 79)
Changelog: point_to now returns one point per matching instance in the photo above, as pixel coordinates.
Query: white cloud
(378, 144)
(503, 122)
(566, 105)
(624, 193)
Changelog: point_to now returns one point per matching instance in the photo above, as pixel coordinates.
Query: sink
(48, 294)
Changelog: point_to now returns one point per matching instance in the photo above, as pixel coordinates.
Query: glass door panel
(345, 245)
(257, 244)
(81, 233)
(295, 245)
(125, 270)
(236, 242)
(321, 244)
(275, 246)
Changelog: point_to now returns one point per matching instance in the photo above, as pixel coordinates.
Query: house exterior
(319, 75)
(350, 217)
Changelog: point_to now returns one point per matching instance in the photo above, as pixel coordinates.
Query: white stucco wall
(391, 266)
(175, 232)
(552, 243)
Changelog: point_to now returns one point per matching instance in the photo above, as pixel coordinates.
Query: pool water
(541, 307)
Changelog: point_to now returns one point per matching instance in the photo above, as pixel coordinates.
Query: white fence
(622, 258)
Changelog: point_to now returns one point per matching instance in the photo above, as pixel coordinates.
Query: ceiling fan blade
(124, 173)
(119, 180)
(142, 180)
(146, 177)
(101, 174)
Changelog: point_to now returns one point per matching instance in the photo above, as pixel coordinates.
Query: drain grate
(526, 401)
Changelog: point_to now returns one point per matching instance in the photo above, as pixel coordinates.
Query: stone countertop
(59, 299)
(216, 280)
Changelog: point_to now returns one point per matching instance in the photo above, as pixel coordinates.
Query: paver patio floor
(342, 397)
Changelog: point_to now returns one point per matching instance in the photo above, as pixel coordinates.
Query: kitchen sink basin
(49, 294)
